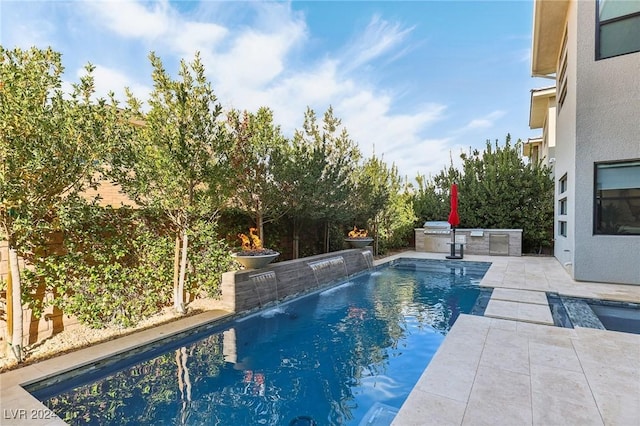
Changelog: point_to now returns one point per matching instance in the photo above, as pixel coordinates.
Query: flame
(358, 233)
(252, 242)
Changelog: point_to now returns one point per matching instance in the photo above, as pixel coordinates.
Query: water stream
(327, 264)
(264, 279)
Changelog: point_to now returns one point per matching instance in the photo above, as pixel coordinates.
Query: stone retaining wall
(249, 289)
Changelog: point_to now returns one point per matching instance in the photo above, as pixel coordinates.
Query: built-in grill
(437, 227)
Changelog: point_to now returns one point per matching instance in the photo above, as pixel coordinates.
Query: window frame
(596, 216)
(600, 24)
(562, 228)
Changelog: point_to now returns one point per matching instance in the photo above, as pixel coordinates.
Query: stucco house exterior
(592, 118)
(542, 116)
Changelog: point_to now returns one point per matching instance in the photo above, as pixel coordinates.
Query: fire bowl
(359, 242)
(255, 261)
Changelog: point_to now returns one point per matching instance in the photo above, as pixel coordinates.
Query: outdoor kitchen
(436, 237)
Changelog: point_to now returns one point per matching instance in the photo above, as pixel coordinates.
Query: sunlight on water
(332, 356)
(337, 288)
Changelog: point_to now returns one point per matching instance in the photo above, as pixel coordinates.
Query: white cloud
(190, 37)
(109, 79)
(380, 37)
(484, 122)
(253, 66)
(132, 19)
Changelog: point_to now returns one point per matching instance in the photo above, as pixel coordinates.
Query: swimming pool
(330, 356)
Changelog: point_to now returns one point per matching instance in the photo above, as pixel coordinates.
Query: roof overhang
(549, 18)
(527, 147)
(540, 106)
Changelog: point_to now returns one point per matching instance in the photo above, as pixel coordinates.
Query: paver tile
(524, 296)
(506, 350)
(540, 314)
(499, 397)
(562, 394)
(426, 409)
(501, 309)
(554, 355)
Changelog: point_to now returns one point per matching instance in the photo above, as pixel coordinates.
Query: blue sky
(416, 81)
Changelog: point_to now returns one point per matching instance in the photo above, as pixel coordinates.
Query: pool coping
(18, 407)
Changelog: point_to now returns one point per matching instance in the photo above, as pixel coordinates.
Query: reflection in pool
(330, 356)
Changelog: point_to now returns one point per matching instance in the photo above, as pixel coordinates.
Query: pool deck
(511, 367)
(507, 368)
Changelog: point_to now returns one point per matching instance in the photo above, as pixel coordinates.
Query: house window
(562, 184)
(562, 206)
(562, 74)
(618, 28)
(617, 198)
(562, 228)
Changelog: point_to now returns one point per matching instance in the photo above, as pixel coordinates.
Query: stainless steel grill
(437, 227)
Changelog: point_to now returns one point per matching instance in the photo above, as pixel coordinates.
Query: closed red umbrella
(454, 220)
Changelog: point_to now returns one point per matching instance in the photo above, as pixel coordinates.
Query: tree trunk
(326, 237)
(183, 272)
(296, 240)
(16, 302)
(260, 226)
(176, 272)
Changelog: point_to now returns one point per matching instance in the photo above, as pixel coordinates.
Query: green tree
(396, 221)
(51, 146)
(258, 163)
(499, 190)
(320, 174)
(177, 162)
(371, 190)
(431, 200)
(371, 194)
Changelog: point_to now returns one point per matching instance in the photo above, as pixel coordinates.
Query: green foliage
(114, 269)
(396, 221)
(178, 159)
(320, 173)
(496, 189)
(258, 163)
(209, 256)
(51, 145)
(371, 191)
(431, 201)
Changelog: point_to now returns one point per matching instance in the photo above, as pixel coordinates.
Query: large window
(618, 28)
(617, 198)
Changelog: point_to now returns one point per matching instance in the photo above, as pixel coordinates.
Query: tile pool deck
(506, 368)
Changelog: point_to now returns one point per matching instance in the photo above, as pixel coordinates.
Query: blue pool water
(329, 356)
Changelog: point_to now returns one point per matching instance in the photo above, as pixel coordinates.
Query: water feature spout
(368, 258)
(263, 281)
(326, 264)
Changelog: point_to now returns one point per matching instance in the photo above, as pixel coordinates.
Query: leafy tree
(497, 189)
(258, 162)
(396, 220)
(113, 266)
(432, 202)
(178, 161)
(51, 145)
(320, 173)
(371, 192)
